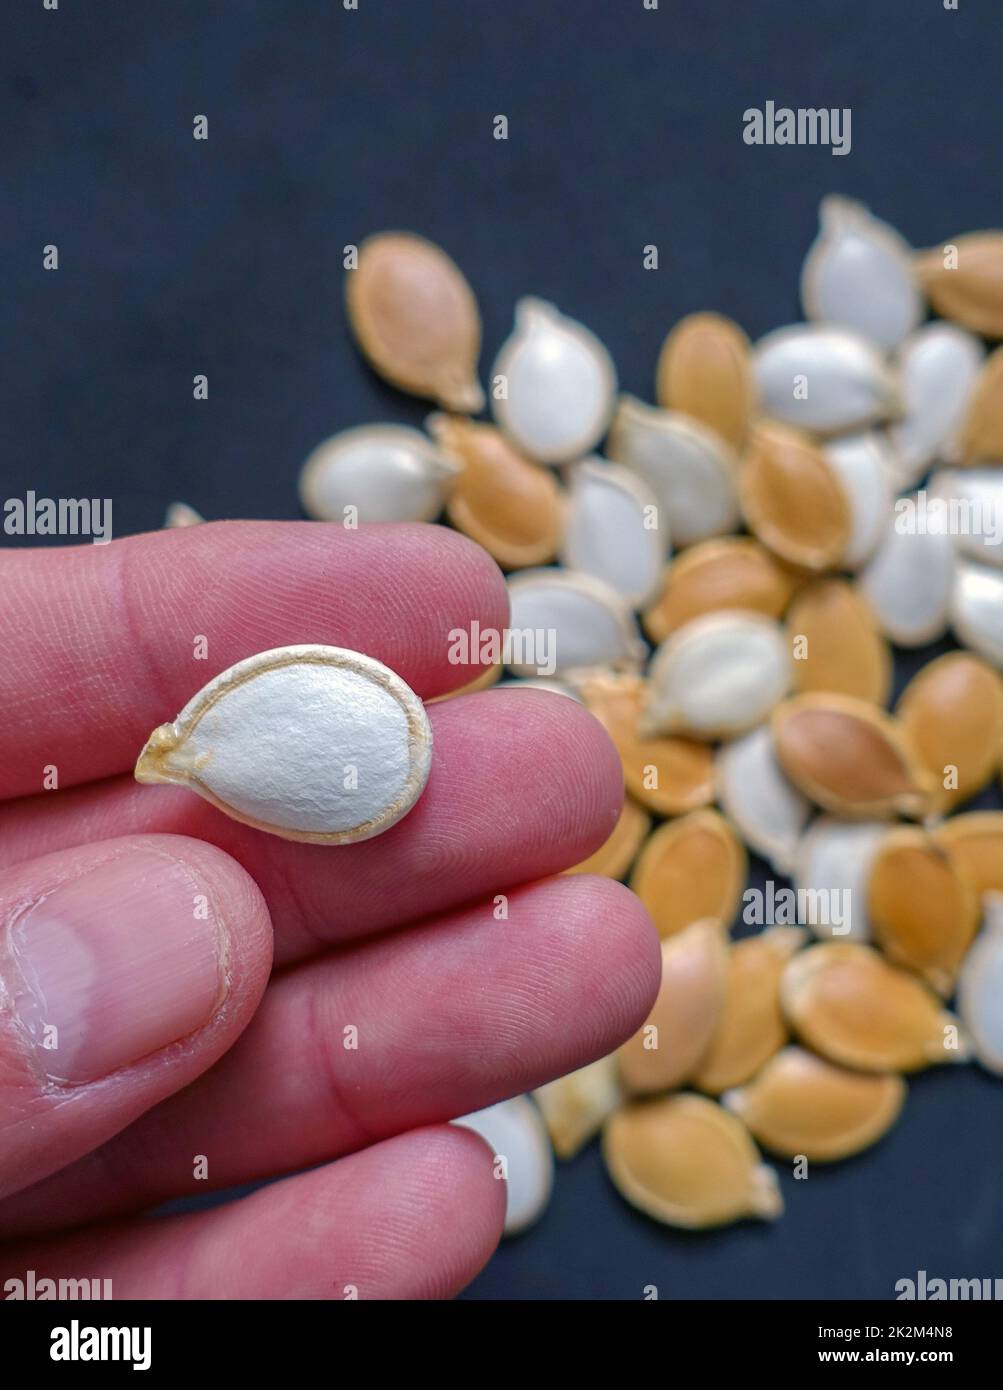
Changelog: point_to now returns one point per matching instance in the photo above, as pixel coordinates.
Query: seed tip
(151, 763)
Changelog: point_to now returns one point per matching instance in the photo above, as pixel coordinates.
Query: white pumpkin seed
(690, 469)
(575, 621)
(753, 791)
(836, 857)
(865, 465)
(386, 472)
(938, 366)
(614, 531)
(908, 581)
(825, 380)
(554, 385)
(859, 273)
(971, 504)
(311, 743)
(180, 514)
(718, 676)
(980, 988)
(515, 1131)
(977, 610)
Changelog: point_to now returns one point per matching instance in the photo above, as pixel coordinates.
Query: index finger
(102, 643)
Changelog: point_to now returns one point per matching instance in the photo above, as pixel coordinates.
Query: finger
(106, 637)
(415, 1217)
(524, 784)
(416, 1028)
(126, 969)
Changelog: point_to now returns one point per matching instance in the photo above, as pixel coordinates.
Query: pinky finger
(415, 1217)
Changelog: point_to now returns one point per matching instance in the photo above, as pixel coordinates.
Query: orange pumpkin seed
(691, 869)
(704, 371)
(792, 499)
(970, 293)
(687, 1162)
(980, 439)
(953, 712)
(836, 643)
(729, 572)
(975, 843)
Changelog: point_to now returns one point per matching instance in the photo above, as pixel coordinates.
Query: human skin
(201, 1047)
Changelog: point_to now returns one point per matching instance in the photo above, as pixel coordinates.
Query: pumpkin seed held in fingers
(824, 379)
(704, 371)
(515, 1131)
(859, 273)
(752, 1026)
(575, 1107)
(612, 530)
(376, 473)
(836, 643)
(801, 1104)
(792, 500)
(667, 1048)
(980, 989)
(416, 320)
(554, 385)
(952, 711)
(614, 857)
(686, 1162)
(668, 775)
(975, 843)
(311, 743)
(850, 758)
(691, 869)
(964, 281)
(726, 572)
(754, 792)
(923, 912)
(718, 676)
(508, 505)
(847, 1002)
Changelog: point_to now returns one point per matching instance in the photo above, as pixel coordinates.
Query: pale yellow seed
(975, 843)
(792, 499)
(969, 290)
(836, 643)
(704, 371)
(727, 572)
(691, 869)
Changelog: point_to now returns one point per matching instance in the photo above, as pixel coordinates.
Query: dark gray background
(179, 257)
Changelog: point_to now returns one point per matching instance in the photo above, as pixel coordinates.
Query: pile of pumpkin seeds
(770, 526)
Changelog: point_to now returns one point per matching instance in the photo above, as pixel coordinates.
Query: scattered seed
(980, 989)
(559, 385)
(865, 466)
(975, 494)
(843, 652)
(769, 812)
(908, 583)
(515, 1130)
(850, 758)
(977, 610)
(686, 1162)
(752, 1026)
(923, 913)
(612, 530)
(415, 318)
(691, 869)
(846, 1001)
(575, 1107)
(668, 775)
(311, 743)
(718, 676)
(665, 1051)
(704, 371)
(835, 857)
(180, 514)
(728, 572)
(586, 622)
(511, 507)
(376, 473)
(792, 500)
(614, 857)
(970, 292)
(859, 273)
(801, 1104)
(938, 366)
(975, 843)
(980, 438)
(825, 380)
(689, 468)
(952, 710)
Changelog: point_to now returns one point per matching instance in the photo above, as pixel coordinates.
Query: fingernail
(115, 964)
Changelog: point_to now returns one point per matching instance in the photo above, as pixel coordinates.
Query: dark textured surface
(179, 257)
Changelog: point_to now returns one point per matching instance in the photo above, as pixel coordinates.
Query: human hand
(140, 923)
